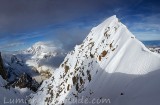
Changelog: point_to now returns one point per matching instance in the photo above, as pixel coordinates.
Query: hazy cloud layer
(69, 21)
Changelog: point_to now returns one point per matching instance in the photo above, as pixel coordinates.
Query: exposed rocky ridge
(154, 49)
(25, 81)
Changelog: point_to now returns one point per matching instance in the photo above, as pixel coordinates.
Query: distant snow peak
(44, 50)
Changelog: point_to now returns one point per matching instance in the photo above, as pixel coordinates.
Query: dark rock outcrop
(25, 81)
(3, 72)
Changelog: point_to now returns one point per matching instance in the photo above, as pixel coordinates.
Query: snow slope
(110, 64)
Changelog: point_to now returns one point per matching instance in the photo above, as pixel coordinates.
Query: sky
(67, 22)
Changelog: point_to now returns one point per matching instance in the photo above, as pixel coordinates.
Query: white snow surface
(110, 64)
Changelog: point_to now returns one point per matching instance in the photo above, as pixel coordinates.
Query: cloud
(24, 15)
(150, 23)
(12, 45)
(69, 36)
(147, 36)
(21, 19)
(51, 44)
(69, 21)
(147, 28)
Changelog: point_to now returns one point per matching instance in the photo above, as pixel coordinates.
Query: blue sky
(67, 22)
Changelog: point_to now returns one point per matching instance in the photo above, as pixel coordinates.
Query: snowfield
(110, 64)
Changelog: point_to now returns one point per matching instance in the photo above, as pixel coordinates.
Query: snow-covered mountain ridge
(110, 63)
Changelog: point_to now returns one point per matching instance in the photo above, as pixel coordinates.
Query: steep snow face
(110, 64)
